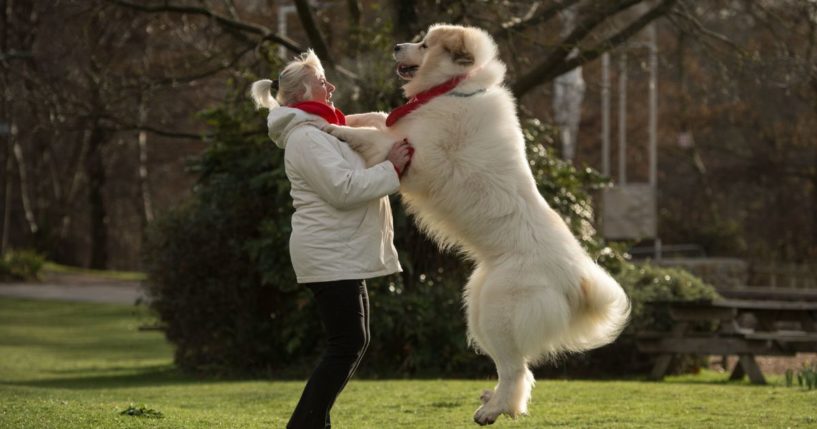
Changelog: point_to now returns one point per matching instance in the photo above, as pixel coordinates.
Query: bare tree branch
(532, 19)
(231, 8)
(313, 32)
(244, 27)
(557, 63)
(687, 16)
(203, 74)
(222, 20)
(591, 54)
(160, 132)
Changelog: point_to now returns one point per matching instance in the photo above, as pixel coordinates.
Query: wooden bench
(769, 293)
(746, 328)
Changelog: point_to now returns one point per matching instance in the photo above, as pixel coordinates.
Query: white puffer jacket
(342, 225)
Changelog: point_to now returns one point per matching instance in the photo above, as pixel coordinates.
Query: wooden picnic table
(746, 328)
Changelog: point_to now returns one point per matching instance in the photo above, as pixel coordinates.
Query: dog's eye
(424, 46)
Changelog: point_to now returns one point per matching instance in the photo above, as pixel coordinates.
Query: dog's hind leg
(512, 392)
(473, 289)
(497, 338)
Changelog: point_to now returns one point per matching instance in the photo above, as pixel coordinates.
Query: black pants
(343, 307)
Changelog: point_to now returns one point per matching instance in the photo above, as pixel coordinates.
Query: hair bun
(275, 84)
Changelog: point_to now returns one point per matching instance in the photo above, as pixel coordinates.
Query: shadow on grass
(715, 379)
(146, 376)
(151, 376)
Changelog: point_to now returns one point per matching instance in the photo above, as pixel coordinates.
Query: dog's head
(445, 52)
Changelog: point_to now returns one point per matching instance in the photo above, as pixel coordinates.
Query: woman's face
(321, 90)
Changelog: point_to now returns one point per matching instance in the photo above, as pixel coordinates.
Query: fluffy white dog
(535, 293)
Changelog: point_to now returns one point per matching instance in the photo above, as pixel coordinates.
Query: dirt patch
(78, 279)
(769, 364)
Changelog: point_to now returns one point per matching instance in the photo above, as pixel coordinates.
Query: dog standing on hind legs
(535, 293)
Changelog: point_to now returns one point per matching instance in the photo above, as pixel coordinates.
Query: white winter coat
(342, 225)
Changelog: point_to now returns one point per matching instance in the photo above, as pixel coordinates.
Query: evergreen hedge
(221, 282)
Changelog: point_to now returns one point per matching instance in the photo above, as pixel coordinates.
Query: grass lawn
(78, 365)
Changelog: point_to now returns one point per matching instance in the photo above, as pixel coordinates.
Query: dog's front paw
(487, 414)
(333, 130)
(340, 132)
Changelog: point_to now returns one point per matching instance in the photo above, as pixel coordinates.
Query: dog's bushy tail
(262, 96)
(602, 313)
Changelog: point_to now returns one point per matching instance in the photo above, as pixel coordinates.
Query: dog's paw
(331, 129)
(486, 414)
(346, 134)
(486, 395)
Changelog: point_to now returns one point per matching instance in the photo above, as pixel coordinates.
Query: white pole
(605, 114)
(653, 94)
(568, 95)
(283, 15)
(622, 119)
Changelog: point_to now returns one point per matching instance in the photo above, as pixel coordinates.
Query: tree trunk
(568, 94)
(31, 219)
(312, 31)
(7, 155)
(355, 19)
(144, 188)
(73, 185)
(405, 22)
(814, 208)
(7, 177)
(95, 173)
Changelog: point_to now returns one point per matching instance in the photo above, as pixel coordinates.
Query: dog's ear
(455, 45)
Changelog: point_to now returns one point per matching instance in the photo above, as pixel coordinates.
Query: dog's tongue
(405, 70)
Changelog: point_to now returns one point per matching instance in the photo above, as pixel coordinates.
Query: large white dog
(535, 293)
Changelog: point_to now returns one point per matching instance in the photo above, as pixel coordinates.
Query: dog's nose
(396, 48)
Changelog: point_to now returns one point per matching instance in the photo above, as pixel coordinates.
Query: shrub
(20, 265)
(644, 283)
(219, 275)
(221, 282)
(806, 376)
(421, 330)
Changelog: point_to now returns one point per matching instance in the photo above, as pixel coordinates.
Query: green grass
(107, 274)
(77, 365)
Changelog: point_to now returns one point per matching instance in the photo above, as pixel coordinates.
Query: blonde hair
(292, 83)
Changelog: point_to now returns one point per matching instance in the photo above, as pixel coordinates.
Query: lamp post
(630, 209)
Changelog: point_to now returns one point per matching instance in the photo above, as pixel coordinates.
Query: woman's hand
(400, 156)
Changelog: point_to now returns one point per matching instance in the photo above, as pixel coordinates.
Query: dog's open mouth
(406, 71)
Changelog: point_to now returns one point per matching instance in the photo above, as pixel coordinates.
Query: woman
(342, 226)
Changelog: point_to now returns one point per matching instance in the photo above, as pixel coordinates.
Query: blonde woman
(342, 226)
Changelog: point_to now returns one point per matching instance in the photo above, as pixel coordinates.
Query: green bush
(219, 274)
(806, 376)
(20, 265)
(644, 283)
(221, 282)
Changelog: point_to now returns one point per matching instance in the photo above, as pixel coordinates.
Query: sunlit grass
(79, 365)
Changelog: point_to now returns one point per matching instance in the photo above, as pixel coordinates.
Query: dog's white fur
(535, 293)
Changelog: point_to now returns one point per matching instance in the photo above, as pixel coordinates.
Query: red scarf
(422, 98)
(331, 114)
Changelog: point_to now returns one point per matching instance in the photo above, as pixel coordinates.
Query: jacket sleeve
(331, 176)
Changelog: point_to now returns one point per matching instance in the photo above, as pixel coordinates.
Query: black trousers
(343, 307)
